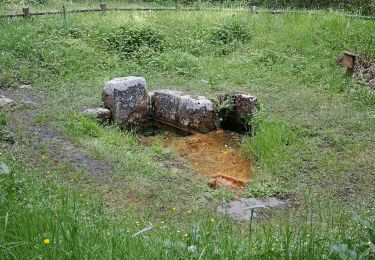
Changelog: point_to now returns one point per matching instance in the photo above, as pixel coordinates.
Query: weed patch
(79, 126)
(3, 119)
(131, 42)
(228, 35)
(269, 140)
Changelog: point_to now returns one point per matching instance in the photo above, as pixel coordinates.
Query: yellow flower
(212, 220)
(43, 157)
(189, 212)
(174, 209)
(46, 241)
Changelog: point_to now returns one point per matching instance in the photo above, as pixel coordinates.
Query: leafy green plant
(135, 41)
(363, 248)
(229, 34)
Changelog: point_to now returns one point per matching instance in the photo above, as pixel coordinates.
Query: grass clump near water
(313, 139)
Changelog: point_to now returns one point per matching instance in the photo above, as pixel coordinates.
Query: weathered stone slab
(127, 99)
(188, 111)
(4, 101)
(102, 114)
(165, 104)
(196, 112)
(239, 209)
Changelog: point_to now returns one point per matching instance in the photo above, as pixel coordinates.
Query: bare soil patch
(56, 145)
(216, 154)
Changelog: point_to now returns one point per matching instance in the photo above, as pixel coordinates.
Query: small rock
(127, 99)
(197, 113)
(25, 86)
(102, 114)
(238, 209)
(4, 101)
(204, 81)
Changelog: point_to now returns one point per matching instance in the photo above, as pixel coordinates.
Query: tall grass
(77, 226)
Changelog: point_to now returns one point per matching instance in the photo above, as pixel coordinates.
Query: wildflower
(189, 212)
(369, 243)
(43, 157)
(46, 241)
(174, 209)
(212, 220)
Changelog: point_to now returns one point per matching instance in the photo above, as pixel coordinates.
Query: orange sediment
(215, 154)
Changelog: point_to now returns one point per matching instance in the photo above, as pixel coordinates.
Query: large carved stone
(165, 105)
(196, 112)
(127, 99)
(188, 111)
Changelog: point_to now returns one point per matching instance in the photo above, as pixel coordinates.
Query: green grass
(314, 138)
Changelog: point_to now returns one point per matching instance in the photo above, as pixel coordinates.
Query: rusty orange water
(216, 153)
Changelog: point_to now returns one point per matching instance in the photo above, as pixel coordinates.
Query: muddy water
(215, 154)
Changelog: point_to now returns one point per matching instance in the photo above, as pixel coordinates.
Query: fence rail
(103, 8)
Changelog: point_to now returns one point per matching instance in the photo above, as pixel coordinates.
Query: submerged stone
(127, 100)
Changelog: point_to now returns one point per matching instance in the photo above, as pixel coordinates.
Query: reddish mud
(215, 154)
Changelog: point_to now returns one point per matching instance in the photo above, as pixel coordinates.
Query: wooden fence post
(103, 7)
(26, 13)
(64, 13)
(348, 60)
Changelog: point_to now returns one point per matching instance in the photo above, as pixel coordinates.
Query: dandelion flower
(174, 209)
(46, 241)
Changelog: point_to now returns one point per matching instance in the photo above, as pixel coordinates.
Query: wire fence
(103, 7)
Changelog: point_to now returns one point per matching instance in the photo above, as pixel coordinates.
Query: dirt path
(22, 116)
